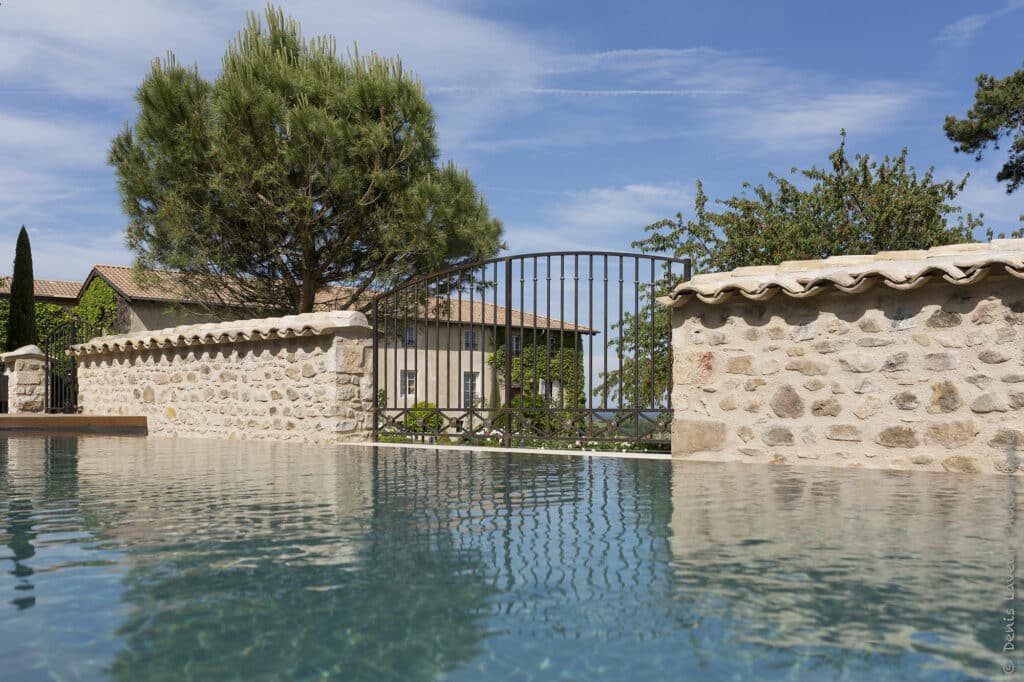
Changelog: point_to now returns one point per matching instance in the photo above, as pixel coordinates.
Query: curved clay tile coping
(960, 264)
(291, 326)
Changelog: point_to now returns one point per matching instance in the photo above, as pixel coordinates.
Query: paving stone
(787, 403)
(942, 319)
(896, 362)
(961, 464)
(777, 435)
(950, 435)
(844, 432)
(874, 341)
(807, 367)
(828, 407)
(859, 363)
(897, 437)
(906, 400)
(945, 398)
(990, 402)
(992, 356)
(941, 362)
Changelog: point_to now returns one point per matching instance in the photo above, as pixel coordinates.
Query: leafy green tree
(21, 321)
(295, 169)
(998, 113)
(98, 305)
(857, 206)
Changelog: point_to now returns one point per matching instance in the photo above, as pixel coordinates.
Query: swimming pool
(134, 559)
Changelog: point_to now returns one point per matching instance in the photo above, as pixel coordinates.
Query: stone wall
(303, 378)
(930, 377)
(25, 371)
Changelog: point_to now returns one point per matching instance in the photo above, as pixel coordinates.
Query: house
(438, 353)
(56, 291)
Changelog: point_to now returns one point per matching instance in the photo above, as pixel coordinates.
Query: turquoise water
(142, 559)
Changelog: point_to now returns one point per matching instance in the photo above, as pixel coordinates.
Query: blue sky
(580, 122)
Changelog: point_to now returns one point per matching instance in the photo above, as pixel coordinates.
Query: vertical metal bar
(687, 269)
(458, 354)
(376, 368)
(576, 330)
(507, 437)
(533, 311)
(668, 378)
(472, 330)
(405, 349)
(591, 394)
(637, 403)
(652, 304)
(547, 350)
(604, 396)
(621, 338)
(420, 426)
(561, 332)
(492, 371)
(436, 302)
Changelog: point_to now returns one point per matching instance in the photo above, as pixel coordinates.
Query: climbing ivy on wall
(535, 363)
(98, 305)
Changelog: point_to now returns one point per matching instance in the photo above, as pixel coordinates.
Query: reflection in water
(151, 559)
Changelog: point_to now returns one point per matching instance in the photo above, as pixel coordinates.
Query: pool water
(148, 559)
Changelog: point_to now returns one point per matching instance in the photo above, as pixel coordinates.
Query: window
(516, 345)
(469, 391)
(469, 339)
(410, 337)
(407, 382)
(552, 346)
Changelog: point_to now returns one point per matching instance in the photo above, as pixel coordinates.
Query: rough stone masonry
(909, 360)
(304, 378)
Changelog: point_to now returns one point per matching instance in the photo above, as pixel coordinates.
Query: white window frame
(469, 340)
(470, 379)
(516, 345)
(407, 381)
(409, 340)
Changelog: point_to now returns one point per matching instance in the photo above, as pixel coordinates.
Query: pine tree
(21, 324)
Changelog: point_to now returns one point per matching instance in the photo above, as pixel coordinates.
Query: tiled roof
(46, 288)
(168, 286)
(309, 324)
(488, 315)
(956, 264)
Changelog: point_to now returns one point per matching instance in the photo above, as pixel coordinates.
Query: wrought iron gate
(61, 371)
(561, 349)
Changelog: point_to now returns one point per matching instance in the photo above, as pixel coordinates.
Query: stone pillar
(25, 369)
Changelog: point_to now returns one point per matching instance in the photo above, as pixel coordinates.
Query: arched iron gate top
(503, 351)
(686, 273)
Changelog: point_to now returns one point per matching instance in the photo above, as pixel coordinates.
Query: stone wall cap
(955, 263)
(29, 352)
(234, 331)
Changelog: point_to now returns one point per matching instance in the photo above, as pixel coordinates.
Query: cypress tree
(21, 324)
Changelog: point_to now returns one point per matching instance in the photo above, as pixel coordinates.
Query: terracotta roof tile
(167, 286)
(956, 264)
(46, 288)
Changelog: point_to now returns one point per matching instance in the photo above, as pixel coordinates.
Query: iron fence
(559, 349)
(61, 386)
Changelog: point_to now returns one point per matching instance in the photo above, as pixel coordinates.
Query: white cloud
(962, 31)
(983, 194)
(811, 121)
(602, 217)
(54, 256)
